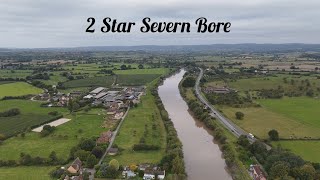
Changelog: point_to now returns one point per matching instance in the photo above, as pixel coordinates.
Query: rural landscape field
(103, 109)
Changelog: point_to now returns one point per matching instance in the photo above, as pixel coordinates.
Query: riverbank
(227, 142)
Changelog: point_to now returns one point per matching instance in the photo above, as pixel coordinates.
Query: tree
(243, 141)
(97, 151)
(273, 135)
(307, 172)
(239, 115)
(279, 170)
(91, 161)
(53, 156)
(87, 144)
(114, 164)
(123, 67)
(177, 165)
(140, 66)
(189, 82)
(81, 154)
(2, 137)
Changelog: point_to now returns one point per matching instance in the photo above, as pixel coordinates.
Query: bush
(144, 147)
(273, 135)
(10, 112)
(239, 115)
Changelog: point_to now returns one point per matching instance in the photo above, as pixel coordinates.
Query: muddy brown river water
(203, 158)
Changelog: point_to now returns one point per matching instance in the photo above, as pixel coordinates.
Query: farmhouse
(257, 173)
(75, 167)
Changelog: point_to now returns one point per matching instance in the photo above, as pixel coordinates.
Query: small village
(147, 171)
(115, 102)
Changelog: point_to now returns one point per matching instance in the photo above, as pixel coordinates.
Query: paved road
(114, 134)
(233, 128)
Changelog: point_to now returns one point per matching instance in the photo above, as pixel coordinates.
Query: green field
(26, 173)
(15, 73)
(31, 114)
(269, 82)
(143, 71)
(60, 141)
(308, 150)
(135, 122)
(18, 89)
(301, 109)
(135, 79)
(292, 117)
(104, 81)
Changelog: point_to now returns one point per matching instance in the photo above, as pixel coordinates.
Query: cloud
(61, 23)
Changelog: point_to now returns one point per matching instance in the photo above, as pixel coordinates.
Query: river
(203, 158)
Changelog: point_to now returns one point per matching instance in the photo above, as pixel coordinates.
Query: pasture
(135, 79)
(308, 150)
(270, 82)
(82, 125)
(18, 89)
(145, 116)
(104, 81)
(31, 114)
(260, 120)
(143, 71)
(14, 73)
(26, 173)
(303, 110)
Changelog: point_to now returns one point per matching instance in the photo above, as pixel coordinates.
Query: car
(250, 136)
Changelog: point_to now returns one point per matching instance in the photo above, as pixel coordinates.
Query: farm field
(26, 173)
(304, 110)
(268, 82)
(18, 89)
(104, 81)
(143, 71)
(54, 79)
(135, 79)
(61, 140)
(31, 114)
(261, 120)
(15, 73)
(133, 128)
(308, 150)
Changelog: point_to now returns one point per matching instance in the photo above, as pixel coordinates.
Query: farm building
(97, 90)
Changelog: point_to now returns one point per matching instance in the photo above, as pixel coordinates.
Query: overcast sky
(62, 23)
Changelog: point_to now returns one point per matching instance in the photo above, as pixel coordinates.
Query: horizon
(164, 45)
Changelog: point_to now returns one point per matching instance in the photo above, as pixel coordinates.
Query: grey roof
(109, 98)
(100, 95)
(97, 90)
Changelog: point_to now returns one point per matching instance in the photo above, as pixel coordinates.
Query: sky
(62, 23)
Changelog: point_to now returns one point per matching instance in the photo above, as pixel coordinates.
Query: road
(114, 134)
(233, 128)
